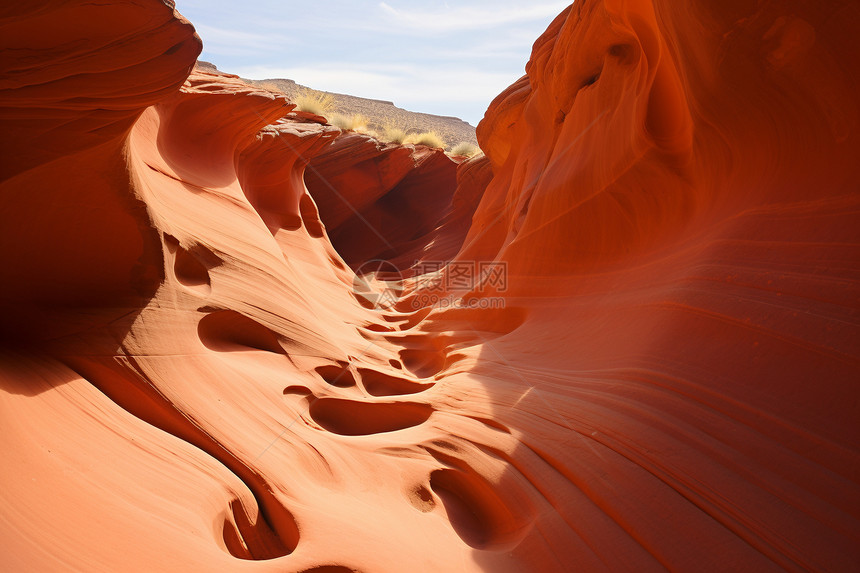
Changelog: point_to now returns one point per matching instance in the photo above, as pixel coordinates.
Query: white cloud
(448, 58)
(514, 46)
(221, 41)
(463, 18)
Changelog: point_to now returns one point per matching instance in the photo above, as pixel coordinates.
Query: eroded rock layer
(658, 369)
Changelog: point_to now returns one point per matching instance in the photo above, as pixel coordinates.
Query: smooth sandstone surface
(192, 378)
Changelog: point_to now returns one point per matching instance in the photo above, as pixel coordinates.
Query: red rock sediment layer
(192, 379)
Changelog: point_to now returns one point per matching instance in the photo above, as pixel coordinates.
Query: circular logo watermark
(378, 282)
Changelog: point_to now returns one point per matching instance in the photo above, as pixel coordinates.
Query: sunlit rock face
(658, 369)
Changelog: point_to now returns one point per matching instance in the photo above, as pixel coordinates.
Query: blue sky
(445, 58)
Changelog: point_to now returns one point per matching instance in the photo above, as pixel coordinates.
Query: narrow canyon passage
(236, 337)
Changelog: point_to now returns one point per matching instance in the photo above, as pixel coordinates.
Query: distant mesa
(381, 114)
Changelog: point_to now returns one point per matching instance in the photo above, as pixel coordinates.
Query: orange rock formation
(193, 378)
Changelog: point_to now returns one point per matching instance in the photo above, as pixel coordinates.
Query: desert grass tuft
(317, 103)
(355, 122)
(428, 138)
(394, 135)
(465, 149)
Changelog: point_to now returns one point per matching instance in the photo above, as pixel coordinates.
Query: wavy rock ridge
(192, 379)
